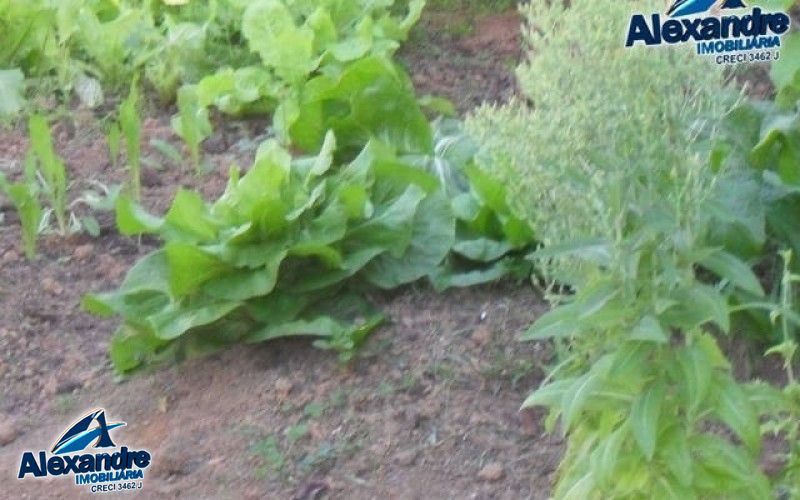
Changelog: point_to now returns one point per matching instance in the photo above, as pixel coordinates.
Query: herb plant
(616, 178)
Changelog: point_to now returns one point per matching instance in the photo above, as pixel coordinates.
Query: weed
(267, 449)
(314, 410)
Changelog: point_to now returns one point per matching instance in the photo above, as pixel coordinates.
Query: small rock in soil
(481, 336)
(50, 286)
(83, 252)
(8, 432)
(311, 491)
(10, 256)
(283, 387)
(491, 472)
(60, 385)
(529, 422)
(406, 458)
(151, 178)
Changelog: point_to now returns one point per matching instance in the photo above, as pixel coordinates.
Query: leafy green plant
(192, 123)
(324, 66)
(491, 241)
(12, 85)
(614, 178)
(130, 125)
(46, 178)
(50, 169)
(277, 255)
(24, 196)
(59, 45)
(784, 414)
(113, 141)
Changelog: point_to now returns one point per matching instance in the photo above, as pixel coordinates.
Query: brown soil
(469, 61)
(429, 409)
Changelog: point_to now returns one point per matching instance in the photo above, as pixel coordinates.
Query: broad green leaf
(675, 454)
(734, 270)
(644, 418)
(431, 239)
(696, 368)
(649, 330)
(190, 267)
(576, 397)
(188, 215)
(370, 99)
(573, 318)
(319, 327)
(133, 220)
(283, 46)
(130, 348)
(607, 455)
(483, 249)
(739, 217)
(354, 47)
(391, 228)
(559, 322)
(447, 277)
(784, 71)
(696, 306)
(246, 283)
(723, 468)
(181, 317)
(735, 408)
(550, 395)
(592, 250)
(150, 274)
(12, 90)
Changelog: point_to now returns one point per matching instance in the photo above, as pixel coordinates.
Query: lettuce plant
(278, 254)
(324, 65)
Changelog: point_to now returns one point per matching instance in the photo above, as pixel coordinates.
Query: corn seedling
(113, 138)
(24, 197)
(50, 170)
(191, 124)
(131, 130)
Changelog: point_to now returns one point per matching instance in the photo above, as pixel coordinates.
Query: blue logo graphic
(109, 469)
(724, 29)
(82, 433)
(691, 7)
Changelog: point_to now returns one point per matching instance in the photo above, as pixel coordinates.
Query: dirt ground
(428, 410)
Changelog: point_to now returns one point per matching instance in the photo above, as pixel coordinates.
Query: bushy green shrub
(610, 160)
(603, 126)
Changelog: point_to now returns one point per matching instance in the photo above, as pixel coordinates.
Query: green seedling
(130, 125)
(113, 138)
(267, 449)
(50, 170)
(191, 124)
(24, 197)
